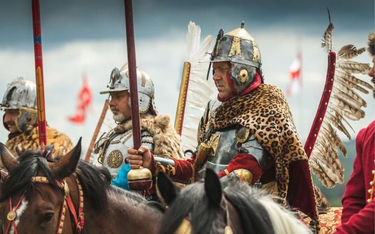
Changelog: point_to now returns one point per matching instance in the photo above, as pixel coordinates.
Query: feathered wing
(200, 90)
(345, 103)
(327, 38)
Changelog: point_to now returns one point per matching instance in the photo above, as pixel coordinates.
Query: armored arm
(250, 161)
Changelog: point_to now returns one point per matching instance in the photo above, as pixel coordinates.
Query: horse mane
(206, 218)
(283, 220)
(257, 211)
(254, 215)
(94, 181)
(192, 203)
(20, 177)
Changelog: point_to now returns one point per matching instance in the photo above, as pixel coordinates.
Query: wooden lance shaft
(38, 55)
(97, 129)
(138, 179)
(132, 73)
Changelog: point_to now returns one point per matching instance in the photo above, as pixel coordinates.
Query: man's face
(10, 118)
(119, 105)
(221, 70)
(372, 72)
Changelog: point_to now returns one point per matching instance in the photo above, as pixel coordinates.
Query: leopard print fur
(30, 141)
(265, 112)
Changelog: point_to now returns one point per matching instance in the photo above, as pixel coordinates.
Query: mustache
(10, 123)
(113, 108)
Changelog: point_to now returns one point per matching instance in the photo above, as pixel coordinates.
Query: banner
(84, 102)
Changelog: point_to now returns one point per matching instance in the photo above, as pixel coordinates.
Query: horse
(42, 195)
(204, 208)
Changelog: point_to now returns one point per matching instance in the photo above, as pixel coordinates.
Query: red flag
(84, 101)
(295, 84)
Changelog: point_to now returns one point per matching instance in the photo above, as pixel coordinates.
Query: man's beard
(119, 117)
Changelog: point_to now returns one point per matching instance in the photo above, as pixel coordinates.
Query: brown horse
(68, 196)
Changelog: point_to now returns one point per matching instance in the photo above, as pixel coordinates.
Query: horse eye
(47, 217)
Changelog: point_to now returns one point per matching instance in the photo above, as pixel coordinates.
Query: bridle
(185, 226)
(67, 205)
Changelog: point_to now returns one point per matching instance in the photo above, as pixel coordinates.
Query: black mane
(205, 218)
(254, 217)
(94, 181)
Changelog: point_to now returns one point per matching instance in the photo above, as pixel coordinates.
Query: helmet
(240, 49)
(21, 95)
(119, 81)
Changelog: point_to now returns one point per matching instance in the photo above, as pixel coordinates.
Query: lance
(181, 105)
(140, 179)
(38, 55)
(132, 73)
(97, 129)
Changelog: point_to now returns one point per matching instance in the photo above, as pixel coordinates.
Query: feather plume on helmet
(371, 43)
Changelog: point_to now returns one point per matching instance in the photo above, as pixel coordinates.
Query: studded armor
(112, 148)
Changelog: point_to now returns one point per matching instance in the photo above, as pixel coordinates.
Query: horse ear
(212, 186)
(167, 190)
(68, 163)
(9, 161)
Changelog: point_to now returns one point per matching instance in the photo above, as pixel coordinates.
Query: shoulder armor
(205, 120)
(251, 146)
(242, 134)
(147, 140)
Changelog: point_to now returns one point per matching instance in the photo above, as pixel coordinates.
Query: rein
(67, 204)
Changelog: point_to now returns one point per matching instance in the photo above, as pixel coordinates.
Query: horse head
(204, 207)
(33, 196)
(198, 208)
(66, 195)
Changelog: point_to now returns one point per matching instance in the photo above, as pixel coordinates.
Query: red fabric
(183, 170)
(300, 187)
(295, 83)
(357, 214)
(257, 81)
(84, 101)
(244, 161)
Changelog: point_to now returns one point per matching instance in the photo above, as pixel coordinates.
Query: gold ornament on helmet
(243, 75)
(240, 49)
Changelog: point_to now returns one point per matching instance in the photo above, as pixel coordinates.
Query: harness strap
(12, 215)
(68, 203)
(79, 220)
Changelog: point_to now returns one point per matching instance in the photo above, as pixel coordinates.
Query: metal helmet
(240, 49)
(119, 81)
(21, 95)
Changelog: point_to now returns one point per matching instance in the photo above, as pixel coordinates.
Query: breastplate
(224, 146)
(117, 151)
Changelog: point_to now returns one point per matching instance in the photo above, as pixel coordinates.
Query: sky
(87, 37)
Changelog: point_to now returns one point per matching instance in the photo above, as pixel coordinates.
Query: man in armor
(358, 203)
(247, 134)
(20, 119)
(156, 131)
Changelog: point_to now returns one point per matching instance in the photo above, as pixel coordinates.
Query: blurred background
(86, 38)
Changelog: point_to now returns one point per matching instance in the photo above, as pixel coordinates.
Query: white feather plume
(200, 90)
